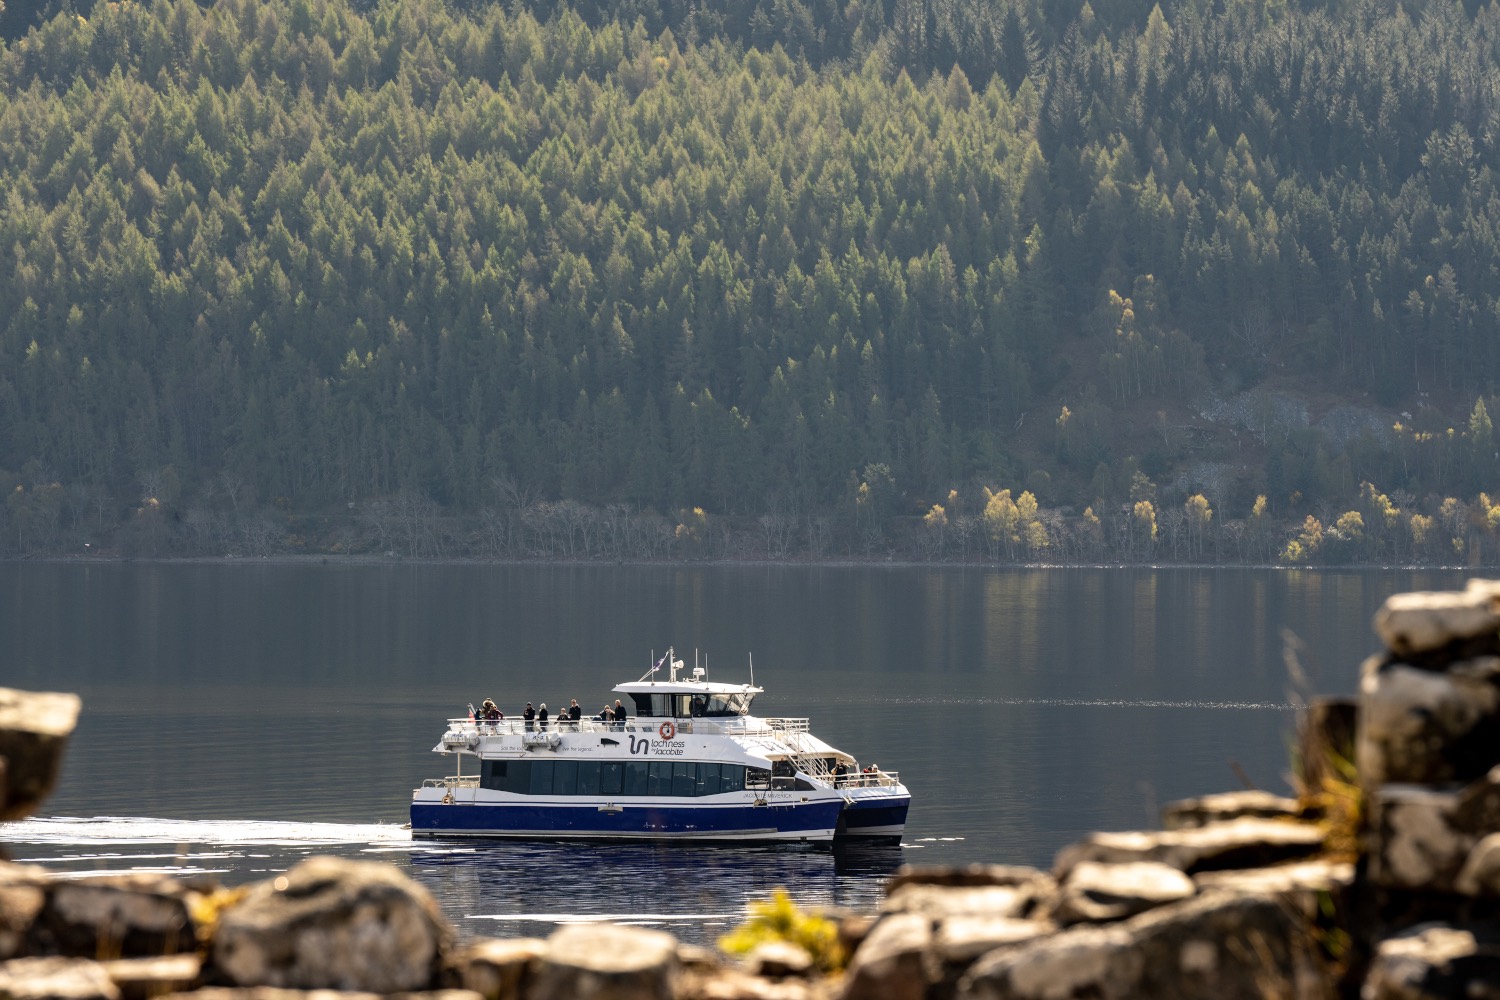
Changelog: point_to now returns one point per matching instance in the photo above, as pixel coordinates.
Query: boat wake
(75, 831)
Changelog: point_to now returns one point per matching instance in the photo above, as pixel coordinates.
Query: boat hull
(803, 821)
(881, 816)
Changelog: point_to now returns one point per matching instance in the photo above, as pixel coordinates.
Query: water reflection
(487, 888)
(524, 889)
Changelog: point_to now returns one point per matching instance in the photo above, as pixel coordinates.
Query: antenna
(752, 669)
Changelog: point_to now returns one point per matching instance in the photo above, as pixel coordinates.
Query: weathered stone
(892, 963)
(140, 978)
(778, 959)
(1097, 893)
(1436, 962)
(1319, 875)
(1240, 843)
(23, 894)
(587, 961)
(1480, 875)
(1425, 727)
(936, 901)
(330, 923)
(736, 984)
(697, 957)
(496, 969)
(962, 875)
(1218, 945)
(55, 978)
(1190, 814)
(34, 731)
(960, 940)
(115, 916)
(278, 993)
(1421, 838)
(853, 929)
(1427, 621)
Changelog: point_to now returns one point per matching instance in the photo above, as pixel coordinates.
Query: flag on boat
(471, 711)
(661, 661)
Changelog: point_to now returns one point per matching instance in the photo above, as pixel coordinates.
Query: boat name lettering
(643, 744)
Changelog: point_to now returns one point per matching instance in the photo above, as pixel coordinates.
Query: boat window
(492, 774)
(679, 779)
(757, 777)
(721, 705)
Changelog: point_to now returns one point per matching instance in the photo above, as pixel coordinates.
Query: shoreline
(844, 563)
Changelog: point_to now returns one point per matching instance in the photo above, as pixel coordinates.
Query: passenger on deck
(606, 714)
(620, 715)
(529, 715)
(491, 714)
(574, 712)
(840, 774)
(541, 716)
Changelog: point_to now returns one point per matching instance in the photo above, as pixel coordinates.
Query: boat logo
(667, 730)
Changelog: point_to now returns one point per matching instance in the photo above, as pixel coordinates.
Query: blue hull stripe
(631, 821)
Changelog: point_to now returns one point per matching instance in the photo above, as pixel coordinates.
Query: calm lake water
(238, 717)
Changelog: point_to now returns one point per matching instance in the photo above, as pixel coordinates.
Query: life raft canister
(666, 730)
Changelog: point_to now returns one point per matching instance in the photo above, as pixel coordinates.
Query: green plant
(779, 919)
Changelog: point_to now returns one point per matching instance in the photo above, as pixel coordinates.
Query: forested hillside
(956, 279)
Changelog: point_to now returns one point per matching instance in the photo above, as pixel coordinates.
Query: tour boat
(691, 763)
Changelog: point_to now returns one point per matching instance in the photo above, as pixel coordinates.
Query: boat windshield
(691, 706)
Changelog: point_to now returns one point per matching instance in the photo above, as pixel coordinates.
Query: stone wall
(1380, 880)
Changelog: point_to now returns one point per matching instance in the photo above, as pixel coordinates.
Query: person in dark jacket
(529, 715)
(541, 715)
(620, 715)
(574, 712)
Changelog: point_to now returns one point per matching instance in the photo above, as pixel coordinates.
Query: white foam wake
(75, 831)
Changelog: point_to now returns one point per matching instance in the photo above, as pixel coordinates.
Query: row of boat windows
(683, 778)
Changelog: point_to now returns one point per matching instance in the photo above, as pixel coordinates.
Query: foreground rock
(332, 924)
(116, 916)
(34, 730)
(589, 961)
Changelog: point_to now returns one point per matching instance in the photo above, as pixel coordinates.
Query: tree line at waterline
(639, 282)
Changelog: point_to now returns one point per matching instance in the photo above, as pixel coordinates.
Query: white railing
(453, 781)
(785, 726)
(868, 779)
(460, 730)
(516, 727)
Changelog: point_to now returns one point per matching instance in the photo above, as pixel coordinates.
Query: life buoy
(666, 730)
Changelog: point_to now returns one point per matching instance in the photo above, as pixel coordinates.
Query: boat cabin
(693, 700)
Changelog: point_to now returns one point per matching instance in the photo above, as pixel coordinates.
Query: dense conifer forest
(1012, 280)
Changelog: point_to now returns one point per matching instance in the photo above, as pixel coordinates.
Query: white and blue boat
(691, 763)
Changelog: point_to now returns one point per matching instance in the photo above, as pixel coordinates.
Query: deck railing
(453, 781)
(461, 729)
